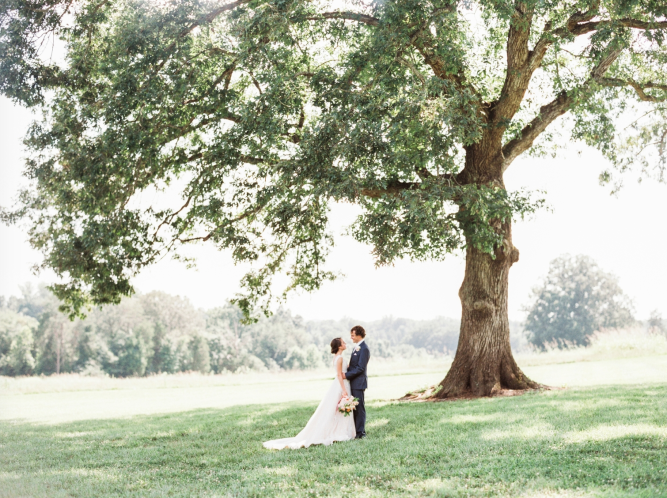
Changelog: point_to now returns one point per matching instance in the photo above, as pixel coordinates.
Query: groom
(356, 374)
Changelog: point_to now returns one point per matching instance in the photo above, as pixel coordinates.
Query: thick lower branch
(548, 114)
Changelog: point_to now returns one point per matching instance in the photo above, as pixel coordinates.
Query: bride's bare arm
(339, 374)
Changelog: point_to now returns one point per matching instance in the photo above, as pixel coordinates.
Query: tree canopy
(253, 116)
(575, 299)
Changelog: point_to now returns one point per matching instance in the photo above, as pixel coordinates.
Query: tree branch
(549, 36)
(252, 160)
(517, 76)
(587, 27)
(240, 217)
(536, 55)
(170, 217)
(412, 68)
(423, 173)
(393, 188)
(396, 187)
(579, 24)
(243, 158)
(202, 20)
(211, 16)
(639, 88)
(423, 41)
(547, 115)
(605, 63)
(349, 16)
(553, 110)
(522, 63)
(423, 44)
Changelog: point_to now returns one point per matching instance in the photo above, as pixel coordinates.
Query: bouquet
(347, 404)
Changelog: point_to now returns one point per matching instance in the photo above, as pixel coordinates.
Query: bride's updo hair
(336, 344)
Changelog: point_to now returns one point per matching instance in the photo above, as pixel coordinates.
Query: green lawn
(584, 441)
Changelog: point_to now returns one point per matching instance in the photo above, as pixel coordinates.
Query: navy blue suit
(356, 374)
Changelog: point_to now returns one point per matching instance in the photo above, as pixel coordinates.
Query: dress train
(326, 425)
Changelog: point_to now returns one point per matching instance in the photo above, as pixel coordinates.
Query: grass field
(189, 436)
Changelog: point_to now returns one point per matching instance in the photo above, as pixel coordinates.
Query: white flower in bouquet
(347, 405)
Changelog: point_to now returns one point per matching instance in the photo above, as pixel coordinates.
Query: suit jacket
(356, 371)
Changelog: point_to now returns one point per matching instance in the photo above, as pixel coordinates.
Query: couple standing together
(327, 423)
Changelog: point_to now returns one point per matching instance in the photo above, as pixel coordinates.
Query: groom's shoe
(362, 436)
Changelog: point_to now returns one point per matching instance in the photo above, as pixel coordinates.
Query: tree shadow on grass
(589, 442)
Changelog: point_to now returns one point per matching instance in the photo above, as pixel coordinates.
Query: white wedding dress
(326, 425)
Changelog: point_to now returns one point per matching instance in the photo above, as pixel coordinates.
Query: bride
(327, 424)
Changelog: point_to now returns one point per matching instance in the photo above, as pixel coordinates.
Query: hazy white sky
(626, 235)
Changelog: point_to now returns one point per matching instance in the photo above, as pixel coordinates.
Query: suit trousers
(359, 412)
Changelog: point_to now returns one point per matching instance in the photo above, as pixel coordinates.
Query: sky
(625, 234)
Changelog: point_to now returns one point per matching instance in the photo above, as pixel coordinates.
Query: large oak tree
(261, 113)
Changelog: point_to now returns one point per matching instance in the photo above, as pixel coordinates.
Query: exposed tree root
(483, 375)
(430, 394)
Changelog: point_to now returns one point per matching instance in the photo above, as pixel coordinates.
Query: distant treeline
(157, 332)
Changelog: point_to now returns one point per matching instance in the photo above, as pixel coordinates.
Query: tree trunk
(59, 343)
(484, 363)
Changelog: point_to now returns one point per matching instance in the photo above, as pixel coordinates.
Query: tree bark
(484, 363)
